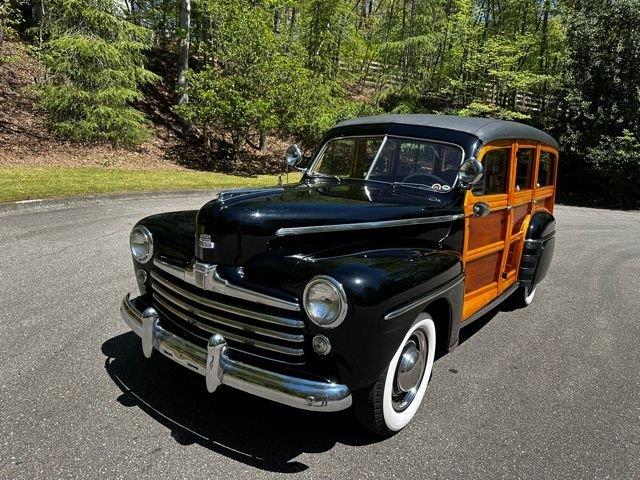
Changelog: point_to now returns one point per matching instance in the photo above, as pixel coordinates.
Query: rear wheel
(392, 401)
(523, 296)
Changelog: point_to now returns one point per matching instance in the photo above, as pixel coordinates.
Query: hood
(243, 223)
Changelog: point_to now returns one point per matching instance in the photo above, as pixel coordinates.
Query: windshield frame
(311, 174)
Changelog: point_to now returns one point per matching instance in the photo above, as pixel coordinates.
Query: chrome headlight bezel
(148, 239)
(341, 296)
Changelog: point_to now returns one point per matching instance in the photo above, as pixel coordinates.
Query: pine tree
(95, 61)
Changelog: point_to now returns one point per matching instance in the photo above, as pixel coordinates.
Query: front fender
(376, 282)
(173, 234)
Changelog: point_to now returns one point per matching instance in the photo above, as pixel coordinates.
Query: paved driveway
(552, 391)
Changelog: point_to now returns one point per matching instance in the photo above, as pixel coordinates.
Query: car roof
(485, 129)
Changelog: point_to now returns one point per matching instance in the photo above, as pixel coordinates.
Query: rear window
(546, 169)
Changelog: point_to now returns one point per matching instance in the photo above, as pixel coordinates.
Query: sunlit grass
(23, 183)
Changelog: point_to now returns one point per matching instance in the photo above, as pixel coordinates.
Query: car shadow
(468, 331)
(242, 427)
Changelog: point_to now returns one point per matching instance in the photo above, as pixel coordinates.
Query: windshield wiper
(325, 176)
(419, 186)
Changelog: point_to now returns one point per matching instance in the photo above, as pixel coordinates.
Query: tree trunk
(37, 12)
(277, 19)
(183, 62)
(292, 23)
(263, 142)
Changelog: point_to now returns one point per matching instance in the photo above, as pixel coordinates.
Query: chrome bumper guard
(218, 369)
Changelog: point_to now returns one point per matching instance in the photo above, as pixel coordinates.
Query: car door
(520, 205)
(486, 237)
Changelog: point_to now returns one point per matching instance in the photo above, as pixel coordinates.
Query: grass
(25, 183)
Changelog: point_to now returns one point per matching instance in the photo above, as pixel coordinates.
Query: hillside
(25, 140)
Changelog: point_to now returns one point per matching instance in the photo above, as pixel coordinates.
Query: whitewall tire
(529, 293)
(523, 296)
(389, 405)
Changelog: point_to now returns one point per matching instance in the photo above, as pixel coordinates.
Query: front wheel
(392, 401)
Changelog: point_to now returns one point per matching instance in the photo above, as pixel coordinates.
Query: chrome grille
(251, 330)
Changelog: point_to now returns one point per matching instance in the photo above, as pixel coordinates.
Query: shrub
(95, 64)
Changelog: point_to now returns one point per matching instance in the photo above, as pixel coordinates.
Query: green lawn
(23, 183)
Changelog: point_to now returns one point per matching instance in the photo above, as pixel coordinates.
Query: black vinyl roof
(485, 129)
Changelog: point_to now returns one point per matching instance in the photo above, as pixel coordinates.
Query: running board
(491, 305)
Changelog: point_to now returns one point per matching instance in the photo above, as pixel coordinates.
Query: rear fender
(538, 248)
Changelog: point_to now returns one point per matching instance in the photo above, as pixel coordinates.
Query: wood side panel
(519, 214)
(485, 231)
(482, 271)
(474, 302)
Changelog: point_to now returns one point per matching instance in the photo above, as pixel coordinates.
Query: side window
(365, 153)
(337, 158)
(524, 168)
(546, 169)
(496, 172)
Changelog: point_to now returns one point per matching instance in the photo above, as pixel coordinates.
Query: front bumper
(214, 363)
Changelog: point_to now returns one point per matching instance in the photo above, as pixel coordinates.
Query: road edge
(54, 202)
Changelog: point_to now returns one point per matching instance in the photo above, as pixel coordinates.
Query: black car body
(223, 289)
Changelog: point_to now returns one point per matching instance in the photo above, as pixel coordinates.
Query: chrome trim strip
(284, 321)
(289, 337)
(424, 300)
(206, 277)
(295, 361)
(233, 193)
(231, 336)
(375, 159)
(341, 227)
(218, 369)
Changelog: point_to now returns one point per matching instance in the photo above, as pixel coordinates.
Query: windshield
(389, 159)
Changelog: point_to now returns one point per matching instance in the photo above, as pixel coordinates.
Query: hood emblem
(205, 241)
(204, 275)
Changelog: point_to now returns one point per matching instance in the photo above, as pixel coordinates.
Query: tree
(183, 62)
(600, 124)
(95, 59)
(255, 80)
(9, 19)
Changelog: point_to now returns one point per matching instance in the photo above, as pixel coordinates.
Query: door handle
(481, 209)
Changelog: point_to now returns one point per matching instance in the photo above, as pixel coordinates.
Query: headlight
(141, 243)
(325, 302)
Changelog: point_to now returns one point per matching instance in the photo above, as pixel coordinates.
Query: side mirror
(470, 173)
(293, 155)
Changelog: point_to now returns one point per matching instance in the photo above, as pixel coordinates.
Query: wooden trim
(484, 251)
(482, 290)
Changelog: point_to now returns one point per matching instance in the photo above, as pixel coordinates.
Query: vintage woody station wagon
(340, 290)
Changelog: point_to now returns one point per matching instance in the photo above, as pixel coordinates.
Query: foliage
(10, 19)
(296, 67)
(601, 121)
(257, 81)
(95, 60)
(478, 109)
(449, 54)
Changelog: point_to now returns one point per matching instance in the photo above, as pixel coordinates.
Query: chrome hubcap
(410, 370)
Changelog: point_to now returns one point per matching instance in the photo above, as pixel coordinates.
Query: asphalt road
(551, 391)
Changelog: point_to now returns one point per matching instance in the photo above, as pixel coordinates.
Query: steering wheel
(423, 179)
